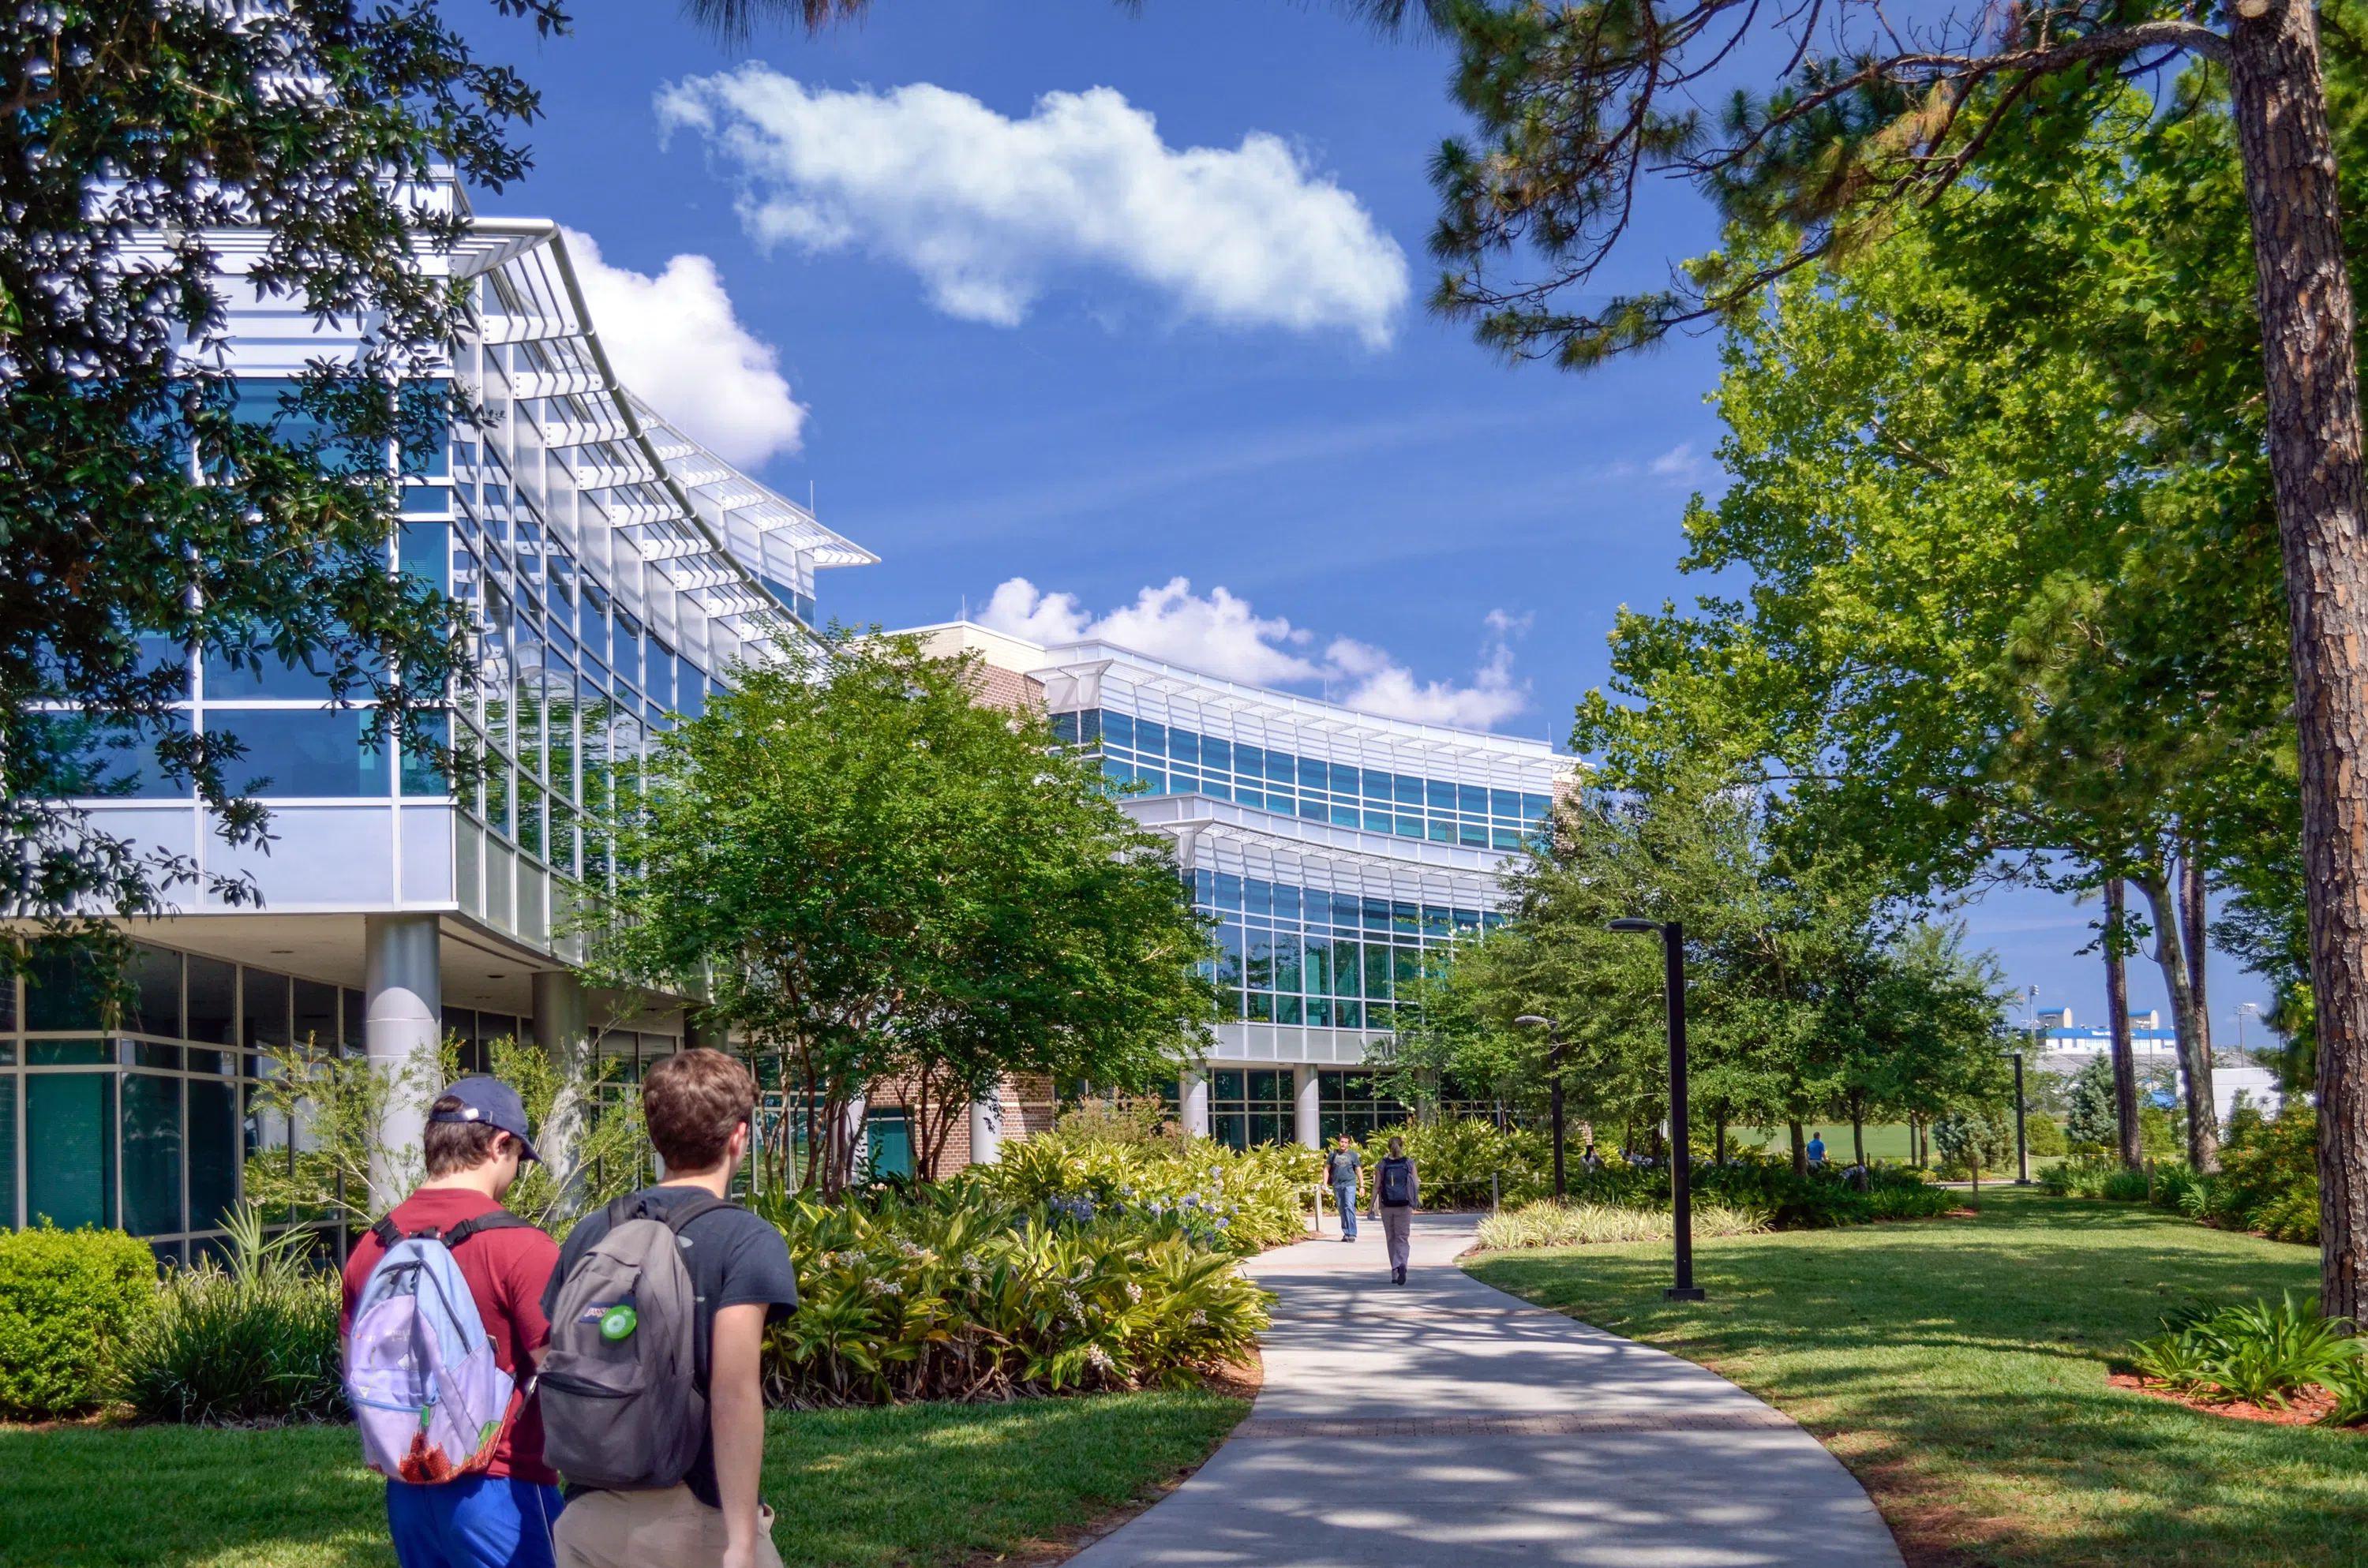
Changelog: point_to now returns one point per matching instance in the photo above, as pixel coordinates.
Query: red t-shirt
(507, 1270)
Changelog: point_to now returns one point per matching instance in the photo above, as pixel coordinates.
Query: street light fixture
(1553, 1087)
(1681, 1158)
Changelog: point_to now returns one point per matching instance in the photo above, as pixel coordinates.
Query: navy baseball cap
(492, 1102)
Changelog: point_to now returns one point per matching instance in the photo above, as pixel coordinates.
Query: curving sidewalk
(1446, 1423)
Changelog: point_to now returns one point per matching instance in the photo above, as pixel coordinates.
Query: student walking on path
(500, 1513)
(673, 1479)
(1396, 1191)
(1340, 1169)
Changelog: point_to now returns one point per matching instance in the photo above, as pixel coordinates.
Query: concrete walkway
(1444, 1422)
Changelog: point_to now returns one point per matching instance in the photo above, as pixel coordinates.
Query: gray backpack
(622, 1408)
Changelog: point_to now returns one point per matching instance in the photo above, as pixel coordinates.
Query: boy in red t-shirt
(502, 1517)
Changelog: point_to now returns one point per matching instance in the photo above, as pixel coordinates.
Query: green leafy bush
(952, 1292)
(255, 1342)
(1768, 1184)
(1245, 1202)
(1458, 1155)
(69, 1299)
(2269, 1173)
(2258, 1353)
(2096, 1175)
(1551, 1224)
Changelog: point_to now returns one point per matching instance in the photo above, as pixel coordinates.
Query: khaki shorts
(649, 1529)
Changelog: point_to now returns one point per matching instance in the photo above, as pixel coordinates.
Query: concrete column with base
(986, 1127)
(1194, 1089)
(1307, 1094)
(560, 1033)
(401, 1030)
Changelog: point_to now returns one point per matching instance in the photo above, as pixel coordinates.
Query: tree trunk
(1722, 1134)
(2117, 1011)
(2313, 382)
(1800, 1148)
(2194, 1070)
(1858, 1128)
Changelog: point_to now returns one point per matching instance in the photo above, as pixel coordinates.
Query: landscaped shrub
(1246, 1200)
(2095, 1175)
(255, 1342)
(1457, 1156)
(2269, 1173)
(2259, 1353)
(953, 1293)
(68, 1302)
(1551, 1224)
(1765, 1185)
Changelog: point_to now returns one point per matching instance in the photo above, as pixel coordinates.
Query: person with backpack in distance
(1340, 1169)
(652, 1394)
(443, 1319)
(1396, 1192)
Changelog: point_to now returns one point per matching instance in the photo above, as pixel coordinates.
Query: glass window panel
(1471, 799)
(1249, 762)
(1506, 839)
(1287, 1009)
(1226, 1083)
(1150, 738)
(426, 550)
(1258, 897)
(1467, 922)
(144, 1054)
(1229, 954)
(1409, 827)
(352, 1005)
(1286, 902)
(70, 1149)
(1317, 970)
(1377, 785)
(1153, 776)
(266, 1010)
(1535, 806)
(1183, 745)
(423, 774)
(530, 816)
(1442, 794)
(152, 1155)
(1503, 802)
(317, 1017)
(1442, 831)
(1319, 1012)
(1346, 968)
(1491, 920)
(157, 987)
(1314, 775)
(1286, 961)
(1473, 834)
(304, 751)
(1261, 1007)
(1231, 1131)
(1313, 810)
(1405, 967)
(1216, 755)
(214, 1151)
(1280, 767)
(1377, 915)
(1377, 968)
(1260, 968)
(1348, 1015)
(8, 1082)
(68, 1052)
(274, 676)
(1377, 821)
(1407, 790)
(8, 1002)
(1229, 891)
(1118, 728)
(213, 1000)
(64, 990)
(1435, 921)
(1251, 797)
(101, 761)
(1065, 728)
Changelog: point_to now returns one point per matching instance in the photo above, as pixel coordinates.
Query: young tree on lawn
(148, 516)
(1577, 104)
(875, 877)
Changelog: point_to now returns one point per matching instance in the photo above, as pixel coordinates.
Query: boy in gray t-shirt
(1340, 1169)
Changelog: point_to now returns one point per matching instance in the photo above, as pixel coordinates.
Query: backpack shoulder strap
(682, 1214)
(498, 1219)
(388, 1236)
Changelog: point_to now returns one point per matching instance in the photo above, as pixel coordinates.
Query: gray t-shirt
(1342, 1168)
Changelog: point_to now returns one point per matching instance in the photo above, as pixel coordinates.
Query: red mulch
(2303, 1408)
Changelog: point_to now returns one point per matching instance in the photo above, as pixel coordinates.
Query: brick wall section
(1009, 689)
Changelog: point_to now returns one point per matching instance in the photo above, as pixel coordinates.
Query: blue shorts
(478, 1521)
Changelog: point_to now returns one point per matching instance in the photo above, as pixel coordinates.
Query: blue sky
(986, 384)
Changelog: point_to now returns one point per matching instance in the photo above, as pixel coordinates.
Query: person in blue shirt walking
(1340, 1170)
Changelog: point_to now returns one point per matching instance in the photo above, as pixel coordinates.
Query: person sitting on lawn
(502, 1515)
(1816, 1150)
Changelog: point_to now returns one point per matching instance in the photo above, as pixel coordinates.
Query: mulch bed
(2303, 1408)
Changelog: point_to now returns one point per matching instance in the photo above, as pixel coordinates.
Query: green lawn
(915, 1485)
(1959, 1367)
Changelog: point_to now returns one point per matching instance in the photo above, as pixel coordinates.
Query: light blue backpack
(420, 1373)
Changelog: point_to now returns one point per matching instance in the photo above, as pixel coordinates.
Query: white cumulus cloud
(1222, 635)
(675, 340)
(988, 209)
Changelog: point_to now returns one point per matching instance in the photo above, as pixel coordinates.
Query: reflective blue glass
(1229, 891)
(426, 552)
(422, 773)
(1216, 755)
(1249, 762)
(1218, 790)
(1153, 776)
(1316, 971)
(274, 677)
(1409, 827)
(1183, 745)
(1407, 790)
(1507, 838)
(1286, 902)
(1258, 897)
(304, 751)
(1471, 799)
(1377, 785)
(1467, 922)
(1441, 793)
(1250, 798)
(1312, 774)
(1377, 915)
(1473, 834)
(1377, 821)
(1287, 1009)
(108, 763)
(1286, 961)
(1150, 738)
(1503, 802)
(1315, 810)
(1118, 728)
(1204, 886)
(1535, 806)
(1435, 920)
(1440, 832)
(1344, 816)
(1065, 728)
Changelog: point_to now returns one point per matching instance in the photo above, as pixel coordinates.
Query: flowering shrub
(953, 1292)
(1551, 1224)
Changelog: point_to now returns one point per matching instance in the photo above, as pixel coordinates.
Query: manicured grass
(914, 1484)
(1959, 1367)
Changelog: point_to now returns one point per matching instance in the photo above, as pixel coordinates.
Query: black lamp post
(2022, 1143)
(1681, 1156)
(1553, 1089)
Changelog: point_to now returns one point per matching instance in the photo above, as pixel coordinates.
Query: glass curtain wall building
(616, 569)
(1339, 851)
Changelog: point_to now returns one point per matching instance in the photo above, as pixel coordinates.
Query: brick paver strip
(1758, 1418)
